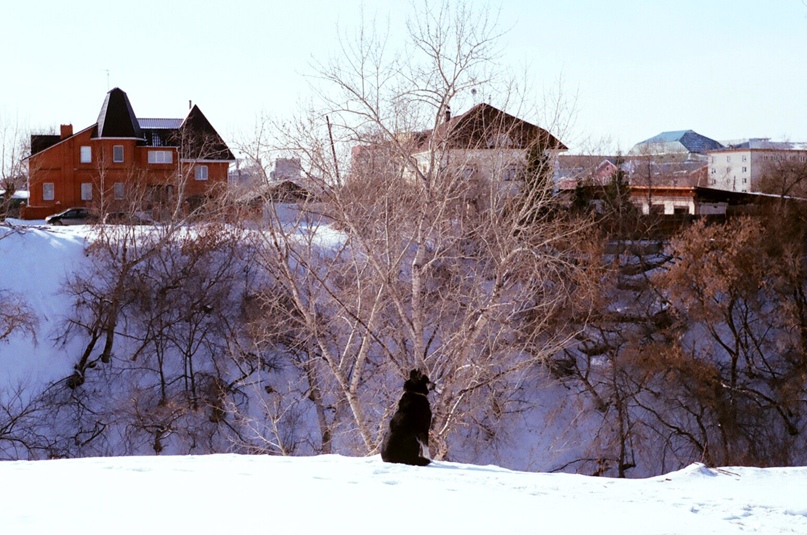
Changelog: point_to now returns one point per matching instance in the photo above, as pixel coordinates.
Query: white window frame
(117, 153)
(48, 191)
(161, 156)
(86, 154)
(118, 191)
(200, 172)
(86, 191)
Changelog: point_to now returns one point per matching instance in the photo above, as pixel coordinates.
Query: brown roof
(486, 127)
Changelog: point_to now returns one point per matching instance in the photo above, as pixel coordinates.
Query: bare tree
(741, 381)
(14, 147)
(435, 262)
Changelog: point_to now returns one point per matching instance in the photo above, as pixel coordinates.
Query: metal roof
(159, 124)
(676, 141)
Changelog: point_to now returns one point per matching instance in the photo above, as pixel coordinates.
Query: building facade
(486, 145)
(123, 162)
(743, 166)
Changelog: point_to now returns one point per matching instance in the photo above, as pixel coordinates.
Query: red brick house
(123, 162)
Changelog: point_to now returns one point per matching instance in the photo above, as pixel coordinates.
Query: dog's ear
(414, 375)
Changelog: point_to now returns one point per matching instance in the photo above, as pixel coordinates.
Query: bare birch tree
(441, 260)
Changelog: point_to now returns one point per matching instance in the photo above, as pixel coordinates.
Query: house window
(745, 169)
(117, 153)
(86, 191)
(745, 181)
(714, 171)
(161, 156)
(745, 158)
(86, 154)
(510, 173)
(156, 140)
(200, 172)
(118, 191)
(48, 191)
(713, 159)
(467, 171)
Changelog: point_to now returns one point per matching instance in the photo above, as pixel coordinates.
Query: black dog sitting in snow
(408, 431)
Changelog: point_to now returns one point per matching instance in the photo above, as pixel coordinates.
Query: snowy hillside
(33, 264)
(183, 378)
(334, 494)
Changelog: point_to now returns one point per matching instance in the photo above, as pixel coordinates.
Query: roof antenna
(189, 103)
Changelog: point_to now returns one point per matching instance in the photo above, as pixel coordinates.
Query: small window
(86, 154)
(745, 158)
(156, 140)
(86, 191)
(117, 153)
(714, 171)
(745, 169)
(161, 156)
(510, 173)
(200, 172)
(48, 191)
(118, 191)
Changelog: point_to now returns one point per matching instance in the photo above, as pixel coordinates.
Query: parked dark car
(71, 216)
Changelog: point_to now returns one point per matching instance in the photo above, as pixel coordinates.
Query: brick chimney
(66, 130)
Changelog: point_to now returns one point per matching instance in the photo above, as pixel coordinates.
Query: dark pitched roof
(487, 127)
(40, 142)
(200, 139)
(117, 118)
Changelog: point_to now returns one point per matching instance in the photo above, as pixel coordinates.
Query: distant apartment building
(742, 166)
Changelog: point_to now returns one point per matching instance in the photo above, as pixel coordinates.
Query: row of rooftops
(117, 119)
(690, 142)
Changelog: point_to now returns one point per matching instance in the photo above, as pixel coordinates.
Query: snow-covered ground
(334, 494)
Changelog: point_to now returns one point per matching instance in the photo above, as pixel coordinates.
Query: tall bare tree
(14, 147)
(433, 262)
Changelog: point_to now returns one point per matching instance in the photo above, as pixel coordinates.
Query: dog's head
(418, 382)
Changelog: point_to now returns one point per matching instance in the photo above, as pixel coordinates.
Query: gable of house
(485, 127)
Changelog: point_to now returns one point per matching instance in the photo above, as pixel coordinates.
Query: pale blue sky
(725, 68)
